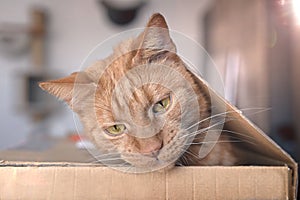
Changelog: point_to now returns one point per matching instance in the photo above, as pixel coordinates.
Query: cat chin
(140, 161)
(157, 168)
(166, 168)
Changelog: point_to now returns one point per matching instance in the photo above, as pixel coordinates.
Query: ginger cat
(142, 107)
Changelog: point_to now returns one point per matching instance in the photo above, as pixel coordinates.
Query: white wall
(75, 27)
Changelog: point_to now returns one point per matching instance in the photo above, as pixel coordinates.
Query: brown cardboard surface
(62, 150)
(85, 181)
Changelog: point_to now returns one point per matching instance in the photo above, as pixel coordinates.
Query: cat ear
(64, 88)
(155, 39)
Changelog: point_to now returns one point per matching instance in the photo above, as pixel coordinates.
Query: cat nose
(151, 148)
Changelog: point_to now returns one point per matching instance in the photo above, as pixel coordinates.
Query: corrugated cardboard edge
(34, 180)
(262, 138)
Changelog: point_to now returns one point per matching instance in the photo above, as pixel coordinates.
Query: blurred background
(254, 44)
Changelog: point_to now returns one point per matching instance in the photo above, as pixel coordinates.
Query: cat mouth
(144, 160)
(166, 156)
(150, 162)
(153, 154)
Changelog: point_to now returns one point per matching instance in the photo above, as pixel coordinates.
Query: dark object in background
(287, 133)
(34, 94)
(123, 13)
(35, 101)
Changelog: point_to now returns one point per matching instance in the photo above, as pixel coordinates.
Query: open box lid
(262, 150)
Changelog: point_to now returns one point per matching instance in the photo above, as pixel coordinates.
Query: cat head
(140, 104)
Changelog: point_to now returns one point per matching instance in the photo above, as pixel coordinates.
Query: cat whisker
(228, 112)
(109, 159)
(194, 133)
(183, 160)
(97, 157)
(120, 165)
(215, 142)
(107, 155)
(130, 167)
(92, 160)
(200, 130)
(179, 164)
(237, 139)
(228, 119)
(192, 154)
(113, 164)
(240, 136)
(197, 131)
(236, 133)
(205, 119)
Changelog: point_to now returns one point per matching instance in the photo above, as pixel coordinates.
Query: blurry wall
(237, 40)
(296, 84)
(256, 47)
(73, 29)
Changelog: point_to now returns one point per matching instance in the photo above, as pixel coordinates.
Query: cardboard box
(271, 174)
(84, 181)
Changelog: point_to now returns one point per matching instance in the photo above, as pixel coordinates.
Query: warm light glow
(296, 8)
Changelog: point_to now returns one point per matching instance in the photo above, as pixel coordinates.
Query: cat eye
(162, 105)
(115, 130)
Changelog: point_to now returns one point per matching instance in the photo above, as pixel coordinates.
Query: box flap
(261, 150)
